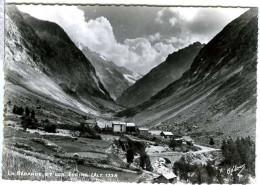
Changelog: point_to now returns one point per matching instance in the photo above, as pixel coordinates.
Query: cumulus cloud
(145, 54)
(173, 21)
(197, 24)
(97, 34)
(155, 37)
(165, 15)
(143, 44)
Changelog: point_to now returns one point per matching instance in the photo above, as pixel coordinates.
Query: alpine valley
(76, 114)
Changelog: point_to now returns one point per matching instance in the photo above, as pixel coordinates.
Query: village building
(90, 122)
(155, 133)
(166, 178)
(119, 127)
(104, 126)
(143, 131)
(167, 135)
(188, 140)
(178, 141)
(131, 127)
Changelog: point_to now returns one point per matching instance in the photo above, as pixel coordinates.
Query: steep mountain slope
(107, 71)
(46, 62)
(130, 76)
(217, 95)
(159, 77)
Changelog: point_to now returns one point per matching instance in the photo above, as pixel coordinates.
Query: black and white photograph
(128, 93)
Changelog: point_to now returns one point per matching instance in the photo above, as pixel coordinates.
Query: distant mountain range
(159, 77)
(114, 78)
(217, 95)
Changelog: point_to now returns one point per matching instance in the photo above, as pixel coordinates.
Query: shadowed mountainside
(42, 59)
(217, 95)
(159, 77)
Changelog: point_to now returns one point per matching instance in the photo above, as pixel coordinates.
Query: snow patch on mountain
(103, 57)
(129, 78)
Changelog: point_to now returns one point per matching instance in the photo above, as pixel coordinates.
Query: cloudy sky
(138, 38)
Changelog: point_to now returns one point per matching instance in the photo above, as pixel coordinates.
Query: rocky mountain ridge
(41, 58)
(160, 76)
(113, 77)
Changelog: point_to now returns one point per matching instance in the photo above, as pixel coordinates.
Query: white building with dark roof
(167, 135)
(119, 127)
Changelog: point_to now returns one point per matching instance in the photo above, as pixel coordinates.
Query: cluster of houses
(115, 127)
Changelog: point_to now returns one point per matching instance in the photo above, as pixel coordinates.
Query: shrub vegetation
(49, 127)
(239, 153)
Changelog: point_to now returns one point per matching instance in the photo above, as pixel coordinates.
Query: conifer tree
(130, 156)
(211, 142)
(27, 111)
